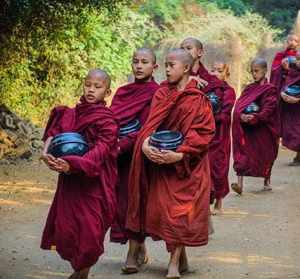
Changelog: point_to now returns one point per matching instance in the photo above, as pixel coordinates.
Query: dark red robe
(278, 74)
(255, 144)
(130, 102)
(171, 202)
(84, 204)
(290, 116)
(220, 147)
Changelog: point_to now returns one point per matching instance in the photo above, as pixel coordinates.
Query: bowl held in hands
(252, 108)
(131, 127)
(68, 144)
(166, 140)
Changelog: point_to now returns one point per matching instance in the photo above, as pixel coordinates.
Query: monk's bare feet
(173, 268)
(183, 262)
(131, 265)
(142, 257)
(75, 275)
(218, 208)
(236, 188)
(267, 185)
(210, 226)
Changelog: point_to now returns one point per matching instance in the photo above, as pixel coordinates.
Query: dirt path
(258, 237)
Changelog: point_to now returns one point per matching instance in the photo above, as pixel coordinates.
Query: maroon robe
(278, 74)
(290, 116)
(220, 147)
(255, 144)
(130, 102)
(84, 204)
(171, 202)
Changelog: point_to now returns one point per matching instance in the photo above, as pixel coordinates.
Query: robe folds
(290, 116)
(84, 204)
(255, 144)
(171, 202)
(220, 147)
(130, 102)
(278, 74)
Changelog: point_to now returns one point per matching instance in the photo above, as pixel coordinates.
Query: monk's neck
(180, 86)
(145, 80)
(196, 66)
(262, 81)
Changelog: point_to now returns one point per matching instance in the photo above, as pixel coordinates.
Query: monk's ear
(156, 66)
(200, 52)
(187, 68)
(108, 92)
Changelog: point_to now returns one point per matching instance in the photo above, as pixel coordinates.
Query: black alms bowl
(293, 91)
(131, 127)
(166, 140)
(68, 144)
(215, 101)
(252, 108)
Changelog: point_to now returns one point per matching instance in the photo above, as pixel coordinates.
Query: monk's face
(190, 47)
(95, 88)
(175, 68)
(258, 72)
(293, 42)
(220, 70)
(143, 65)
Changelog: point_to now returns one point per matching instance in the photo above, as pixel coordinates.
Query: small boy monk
(195, 48)
(84, 203)
(220, 147)
(170, 190)
(281, 65)
(256, 136)
(131, 102)
(290, 114)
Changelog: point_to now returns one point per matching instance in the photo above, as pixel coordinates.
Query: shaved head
(103, 75)
(181, 55)
(260, 62)
(193, 41)
(149, 51)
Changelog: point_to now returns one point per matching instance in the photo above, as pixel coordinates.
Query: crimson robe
(84, 204)
(220, 147)
(255, 144)
(171, 202)
(290, 116)
(278, 74)
(130, 102)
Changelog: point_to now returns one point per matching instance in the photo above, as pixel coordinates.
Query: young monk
(220, 147)
(131, 102)
(170, 190)
(195, 48)
(290, 114)
(256, 136)
(84, 203)
(281, 65)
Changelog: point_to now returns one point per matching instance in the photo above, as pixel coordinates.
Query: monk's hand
(62, 166)
(285, 64)
(244, 118)
(169, 157)
(49, 160)
(152, 153)
(200, 82)
(289, 99)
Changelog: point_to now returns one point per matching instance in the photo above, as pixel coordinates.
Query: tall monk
(170, 190)
(220, 147)
(290, 114)
(195, 48)
(131, 102)
(256, 135)
(281, 63)
(84, 204)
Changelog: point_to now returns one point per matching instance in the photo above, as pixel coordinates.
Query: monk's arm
(228, 102)
(269, 103)
(106, 142)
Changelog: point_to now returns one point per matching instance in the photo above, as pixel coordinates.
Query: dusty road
(258, 237)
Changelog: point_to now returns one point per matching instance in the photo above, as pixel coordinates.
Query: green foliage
(45, 66)
(162, 12)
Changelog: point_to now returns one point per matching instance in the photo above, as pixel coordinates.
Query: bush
(43, 66)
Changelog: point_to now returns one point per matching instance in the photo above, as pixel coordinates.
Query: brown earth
(257, 237)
